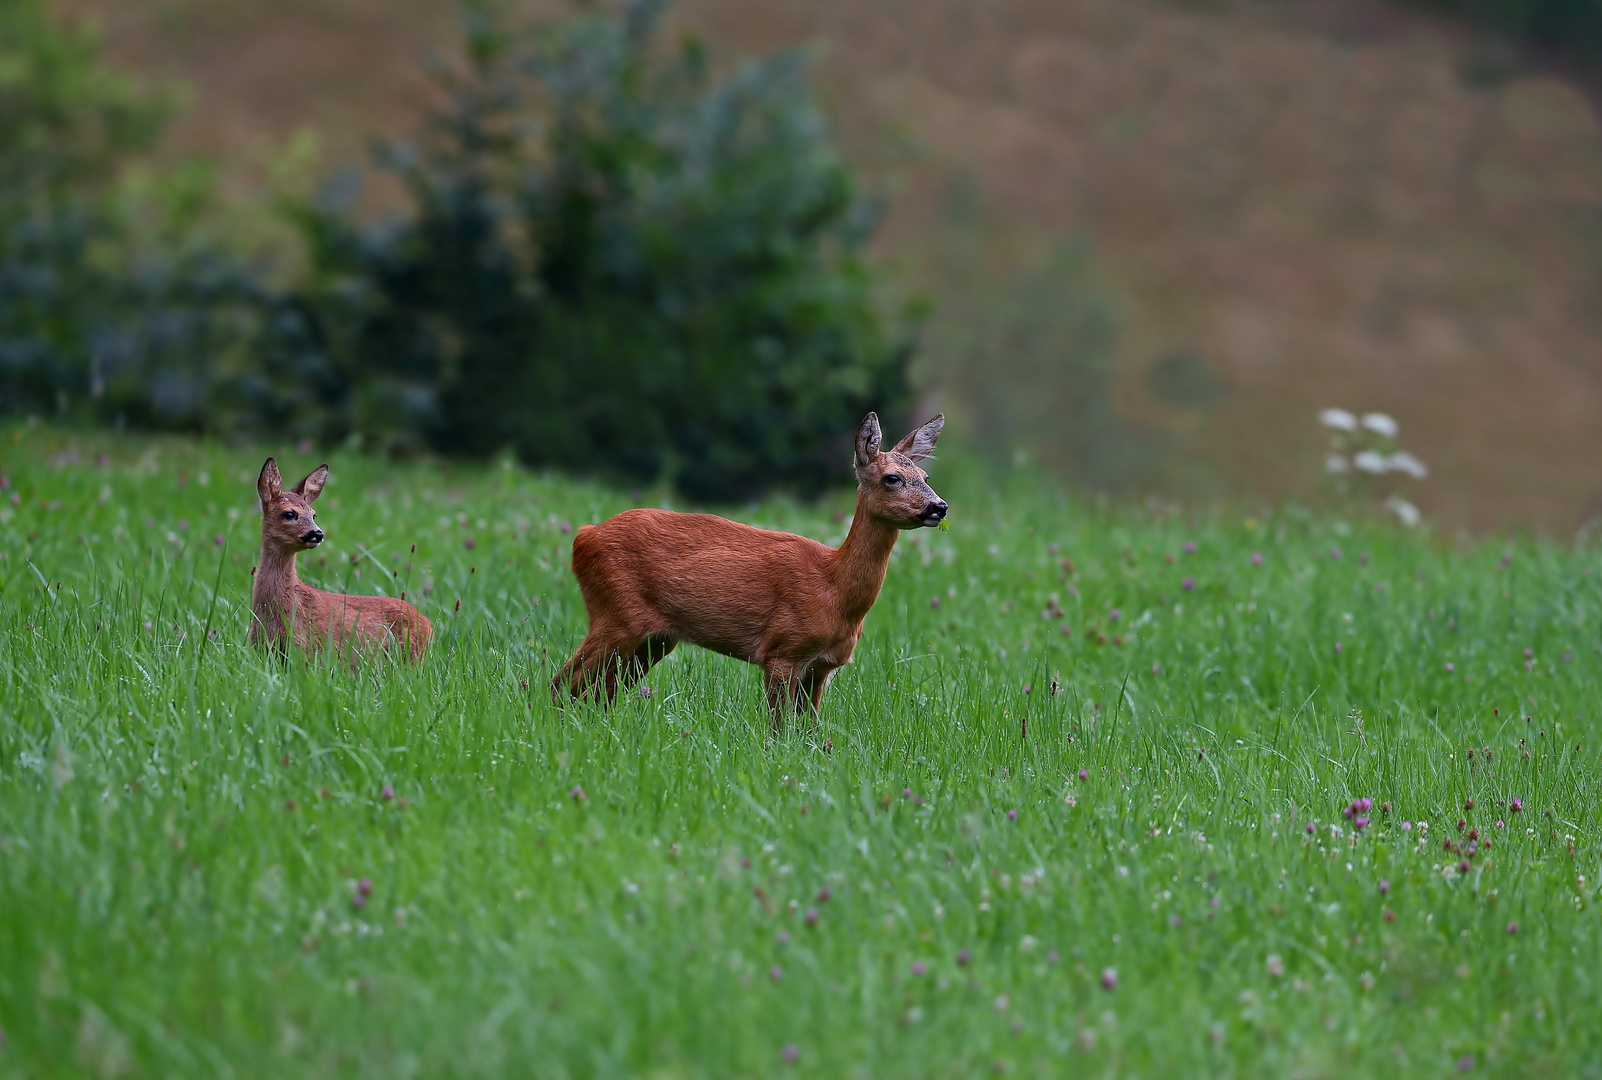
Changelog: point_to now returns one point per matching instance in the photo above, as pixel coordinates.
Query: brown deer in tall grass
(793, 606)
(285, 610)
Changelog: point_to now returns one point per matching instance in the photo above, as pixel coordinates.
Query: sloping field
(1160, 235)
(1105, 793)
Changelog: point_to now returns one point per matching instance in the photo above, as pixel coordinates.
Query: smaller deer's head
(893, 488)
(288, 523)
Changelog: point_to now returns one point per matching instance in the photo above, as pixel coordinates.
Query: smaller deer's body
(792, 606)
(286, 611)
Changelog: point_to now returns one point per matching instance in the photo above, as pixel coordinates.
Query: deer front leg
(783, 688)
(813, 683)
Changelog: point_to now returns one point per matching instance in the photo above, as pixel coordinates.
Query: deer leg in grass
(651, 651)
(785, 691)
(813, 683)
(587, 667)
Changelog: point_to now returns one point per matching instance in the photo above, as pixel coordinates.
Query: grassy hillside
(1160, 235)
(1079, 804)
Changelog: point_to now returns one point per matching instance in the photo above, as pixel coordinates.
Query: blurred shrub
(110, 310)
(615, 258)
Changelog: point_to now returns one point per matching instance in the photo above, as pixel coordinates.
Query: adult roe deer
(285, 609)
(792, 606)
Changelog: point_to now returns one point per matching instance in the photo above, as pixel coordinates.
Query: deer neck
(276, 582)
(859, 564)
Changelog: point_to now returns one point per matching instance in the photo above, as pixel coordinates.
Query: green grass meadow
(1075, 810)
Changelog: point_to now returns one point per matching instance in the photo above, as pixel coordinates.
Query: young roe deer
(284, 608)
(793, 606)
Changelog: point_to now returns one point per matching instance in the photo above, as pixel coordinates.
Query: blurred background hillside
(1155, 237)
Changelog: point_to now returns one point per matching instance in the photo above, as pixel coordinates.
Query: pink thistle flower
(470, 543)
(825, 894)
(1114, 615)
(1156, 669)
(1335, 553)
(218, 539)
(365, 886)
(791, 1053)
(358, 901)
(776, 973)
(1407, 826)
(1512, 928)
(1516, 805)
(1310, 829)
(812, 916)
(1257, 558)
(1360, 823)
(1188, 584)
(1384, 886)
(964, 957)
(1499, 824)
(1337, 648)
(1109, 978)
(1084, 774)
(918, 968)
(934, 602)
(1012, 815)
(387, 793)
(577, 794)
(1449, 667)
(1190, 547)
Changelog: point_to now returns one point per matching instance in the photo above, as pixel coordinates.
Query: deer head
(890, 485)
(288, 522)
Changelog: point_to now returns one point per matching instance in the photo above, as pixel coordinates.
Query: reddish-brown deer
(285, 610)
(793, 606)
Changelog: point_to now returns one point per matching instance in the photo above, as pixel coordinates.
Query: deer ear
(312, 486)
(868, 439)
(920, 443)
(269, 485)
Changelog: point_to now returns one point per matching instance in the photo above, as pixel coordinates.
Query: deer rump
(654, 578)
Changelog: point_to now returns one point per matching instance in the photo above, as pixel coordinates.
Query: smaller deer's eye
(290, 515)
(894, 480)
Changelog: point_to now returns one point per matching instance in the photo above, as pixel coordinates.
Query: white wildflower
(1371, 461)
(1405, 511)
(1336, 465)
(1339, 419)
(1380, 424)
(1402, 461)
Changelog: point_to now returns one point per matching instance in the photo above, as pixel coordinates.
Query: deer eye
(290, 515)
(894, 480)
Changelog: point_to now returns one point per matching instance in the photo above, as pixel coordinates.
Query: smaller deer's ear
(920, 443)
(312, 486)
(269, 485)
(868, 439)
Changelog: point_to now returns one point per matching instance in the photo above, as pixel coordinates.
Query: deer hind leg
(598, 663)
(649, 652)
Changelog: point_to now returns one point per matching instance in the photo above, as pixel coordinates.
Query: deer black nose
(935, 510)
(314, 537)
